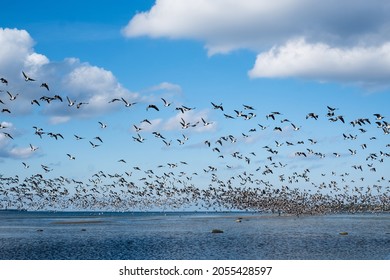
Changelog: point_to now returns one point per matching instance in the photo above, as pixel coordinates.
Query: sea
(27, 235)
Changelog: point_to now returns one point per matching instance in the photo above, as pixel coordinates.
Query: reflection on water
(46, 235)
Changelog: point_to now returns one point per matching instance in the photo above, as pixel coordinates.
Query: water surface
(187, 236)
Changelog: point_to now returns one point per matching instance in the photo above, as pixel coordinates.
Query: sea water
(188, 236)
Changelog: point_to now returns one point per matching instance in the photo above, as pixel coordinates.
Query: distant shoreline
(235, 212)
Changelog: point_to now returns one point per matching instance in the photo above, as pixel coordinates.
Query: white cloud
(166, 86)
(228, 24)
(21, 153)
(338, 29)
(319, 61)
(15, 49)
(193, 118)
(79, 80)
(220, 22)
(59, 119)
(5, 124)
(8, 149)
(154, 126)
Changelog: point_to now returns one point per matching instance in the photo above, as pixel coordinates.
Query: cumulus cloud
(9, 150)
(193, 118)
(227, 24)
(166, 86)
(20, 152)
(88, 84)
(338, 29)
(319, 61)
(153, 126)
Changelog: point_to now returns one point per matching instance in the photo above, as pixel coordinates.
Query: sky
(294, 57)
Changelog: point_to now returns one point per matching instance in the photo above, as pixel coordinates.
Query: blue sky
(294, 57)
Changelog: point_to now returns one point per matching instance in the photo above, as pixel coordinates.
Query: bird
(139, 139)
(93, 145)
(152, 106)
(78, 106)
(216, 107)
(45, 85)
(248, 107)
(8, 135)
(128, 104)
(70, 102)
(27, 78)
(378, 116)
(58, 97)
(146, 121)
(33, 149)
(205, 123)
(167, 143)
(71, 157)
(277, 128)
(166, 103)
(296, 128)
(158, 135)
(114, 100)
(55, 135)
(46, 168)
(4, 81)
(102, 125)
(11, 96)
(35, 101)
(184, 124)
(312, 115)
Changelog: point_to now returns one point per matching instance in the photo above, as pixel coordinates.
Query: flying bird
(128, 104)
(216, 107)
(6, 134)
(36, 102)
(27, 78)
(4, 81)
(378, 116)
(312, 115)
(33, 149)
(93, 145)
(71, 157)
(102, 125)
(152, 106)
(70, 102)
(78, 137)
(11, 96)
(247, 107)
(166, 103)
(81, 103)
(45, 85)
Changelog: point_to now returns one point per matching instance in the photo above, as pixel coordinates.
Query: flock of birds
(265, 179)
